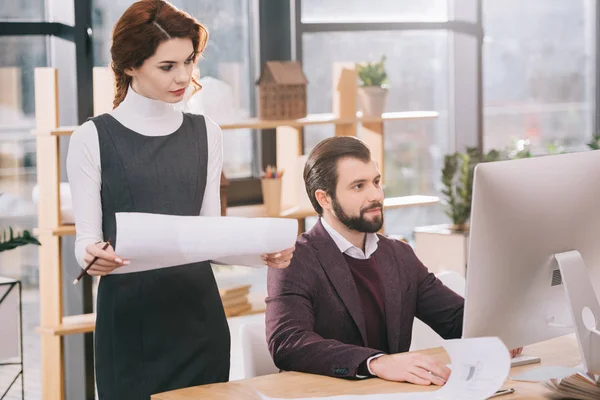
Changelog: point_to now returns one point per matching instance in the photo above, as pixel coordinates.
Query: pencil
(90, 264)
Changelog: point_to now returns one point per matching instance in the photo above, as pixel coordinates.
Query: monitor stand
(584, 306)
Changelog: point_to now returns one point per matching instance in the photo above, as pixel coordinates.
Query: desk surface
(561, 351)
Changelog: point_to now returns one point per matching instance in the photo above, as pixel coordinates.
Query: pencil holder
(271, 191)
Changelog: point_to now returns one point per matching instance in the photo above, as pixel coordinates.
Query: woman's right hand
(107, 259)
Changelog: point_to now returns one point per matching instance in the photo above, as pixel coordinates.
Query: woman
(164, 329)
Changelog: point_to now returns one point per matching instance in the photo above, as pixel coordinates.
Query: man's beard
(360, 223)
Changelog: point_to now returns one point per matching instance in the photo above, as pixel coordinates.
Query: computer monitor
(524, 212)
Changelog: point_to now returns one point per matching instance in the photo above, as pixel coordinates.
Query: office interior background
(501, 74)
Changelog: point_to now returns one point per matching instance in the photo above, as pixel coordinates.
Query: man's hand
(410, 367)
(516, 352)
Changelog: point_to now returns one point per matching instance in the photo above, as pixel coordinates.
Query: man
(346, 304)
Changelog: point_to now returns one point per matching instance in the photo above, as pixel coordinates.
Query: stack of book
(578, 386)
(235, 300)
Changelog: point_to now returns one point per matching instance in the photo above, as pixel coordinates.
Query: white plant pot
(372, 100)
(440, 248)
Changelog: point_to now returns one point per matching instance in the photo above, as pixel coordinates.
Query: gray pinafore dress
(164, 329)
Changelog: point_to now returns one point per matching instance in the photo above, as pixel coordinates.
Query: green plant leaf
(595, 143)
(372, 74)
(13, 241)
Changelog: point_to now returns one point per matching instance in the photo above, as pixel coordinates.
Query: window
(374, 11)
(227, 58)
(417, 70)
(417, 67)
(20, 55)
(539, 68)
(22, 10)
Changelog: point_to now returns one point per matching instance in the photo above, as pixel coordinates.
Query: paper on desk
(151, 241)
(480, 367)
(544, 373)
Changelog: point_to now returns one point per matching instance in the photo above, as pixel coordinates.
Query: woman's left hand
(279, 260)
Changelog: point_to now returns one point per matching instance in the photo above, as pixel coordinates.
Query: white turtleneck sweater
(148, 117)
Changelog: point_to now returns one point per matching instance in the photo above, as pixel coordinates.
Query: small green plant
(10, 241)
(457, 179)
(459, 170)
(595, 143)
(372, 74)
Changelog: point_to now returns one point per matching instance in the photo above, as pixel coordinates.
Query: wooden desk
(561, 351)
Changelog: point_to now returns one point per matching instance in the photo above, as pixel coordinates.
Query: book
(234, 291)
(234, 301)
(237, 310)
(579, 386)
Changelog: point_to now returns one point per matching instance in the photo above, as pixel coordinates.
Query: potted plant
(373, 89)
(450, 241)
(457, 178)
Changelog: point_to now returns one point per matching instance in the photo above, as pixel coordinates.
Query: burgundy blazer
(314, 318)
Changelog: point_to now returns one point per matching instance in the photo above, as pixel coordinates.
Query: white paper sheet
(480, 367)
(9, 322)
(541, 374)
(151, 241)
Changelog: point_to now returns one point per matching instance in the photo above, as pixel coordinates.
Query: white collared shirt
(348, 248)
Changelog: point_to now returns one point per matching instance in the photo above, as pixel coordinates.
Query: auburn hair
(141, 29)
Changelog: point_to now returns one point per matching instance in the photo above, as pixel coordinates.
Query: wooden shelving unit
(312, 119)
(53, 324)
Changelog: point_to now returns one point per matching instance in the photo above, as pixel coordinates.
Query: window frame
(464, 132)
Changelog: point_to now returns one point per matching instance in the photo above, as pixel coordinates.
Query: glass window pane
(20, 55)
(374, 11)
(417, 68)
(22, 10)
(227, 58)
(539, 62)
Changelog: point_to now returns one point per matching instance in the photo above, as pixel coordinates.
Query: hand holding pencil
(100, 259)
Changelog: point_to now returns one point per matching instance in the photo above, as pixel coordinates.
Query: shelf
(298, 213)
(321, 119)
(64, 131)
(7, 135)
(398, 116)
(444, 229)
(60, 131)
(86, 323)
(311, 119)
(71, 325)
(17, 171)
(409, 201)
(62, 230)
